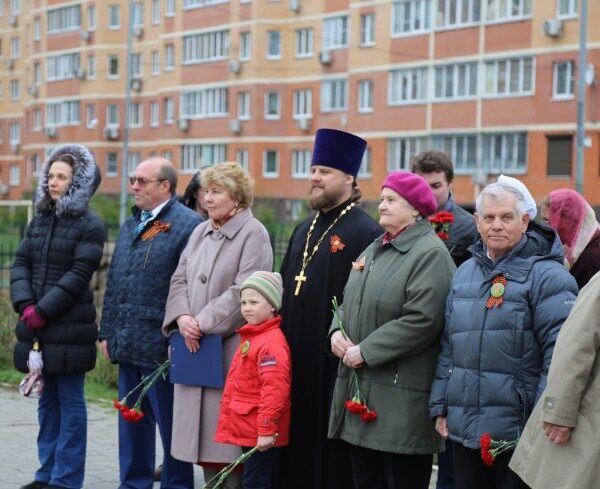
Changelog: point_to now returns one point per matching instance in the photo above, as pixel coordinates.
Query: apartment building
(489, 81)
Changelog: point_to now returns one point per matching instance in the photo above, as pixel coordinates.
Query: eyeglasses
(143, 181)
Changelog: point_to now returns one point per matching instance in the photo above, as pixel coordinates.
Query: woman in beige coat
(559, 447)
(204, 298)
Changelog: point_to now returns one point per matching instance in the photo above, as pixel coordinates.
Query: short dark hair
(168, 173)
(434, 161)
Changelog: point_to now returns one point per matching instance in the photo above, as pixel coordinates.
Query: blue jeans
(260, 469)
(62, 437)
(137, 450)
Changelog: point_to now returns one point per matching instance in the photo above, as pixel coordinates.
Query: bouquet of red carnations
(491, 448)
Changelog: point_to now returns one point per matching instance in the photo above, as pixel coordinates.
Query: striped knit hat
(269, 284)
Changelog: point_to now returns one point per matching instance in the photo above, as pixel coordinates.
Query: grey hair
(497, 191)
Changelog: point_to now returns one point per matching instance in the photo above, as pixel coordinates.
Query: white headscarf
(530, 205)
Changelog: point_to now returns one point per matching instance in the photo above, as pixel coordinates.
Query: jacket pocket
(524, 407)
(244, 421)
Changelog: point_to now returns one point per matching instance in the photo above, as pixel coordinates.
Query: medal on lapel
(245, 347)
(496, 292)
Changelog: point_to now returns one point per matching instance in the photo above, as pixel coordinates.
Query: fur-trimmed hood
(86, 179)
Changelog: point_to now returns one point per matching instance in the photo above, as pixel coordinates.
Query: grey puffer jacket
(494, 362)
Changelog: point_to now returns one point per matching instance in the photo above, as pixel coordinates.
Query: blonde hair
(231, 176)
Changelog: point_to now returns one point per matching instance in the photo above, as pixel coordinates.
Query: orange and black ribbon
(156, 228)
(496, 292)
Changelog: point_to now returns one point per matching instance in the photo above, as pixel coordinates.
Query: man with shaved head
(146, 255)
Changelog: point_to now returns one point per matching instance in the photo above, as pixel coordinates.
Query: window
(302, 104)
(187, 4)
(91, 18)
(113, 66)
(566, 8)
(273, 45)
(169, 57)
(15, 7)
(112, 115)
(15, 90)
(335, 32)
(36, 119)
(503, 10)
(456, 13)
(243, 107)
(62, 67)
(169, 8)
(300, 163)
(64, 113)
(209, 46)
(408, 86)
(462, 150)
(155, 12)
(245, 46)
(155, 63)
(37, 29)
(138, 14)
(334, 95)
(133, 160)
(209, 102)
(169, 110)
(64, 19)
(563, 80)
(14, 133)
(15, 47)
(154, 115)
(402, 151)
(365, 96)
(195, 156)
(111, 164)
(37, 73)
(135, 115)
(242, 156)
(137, 65)
(410, 16)
(90, 116)
(270, 164)
(506, 77)
(91, 66)
(505, 152)
(272, 105)
(167, 155)
(114, 20)
(36, 164)
(560, 153)
(303, 42)
(457, 81)
(366, 165)
(14, 175)
(367, 30)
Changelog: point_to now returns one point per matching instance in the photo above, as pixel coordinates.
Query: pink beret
(414, 189)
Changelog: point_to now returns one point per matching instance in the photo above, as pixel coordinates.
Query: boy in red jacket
(255, 408)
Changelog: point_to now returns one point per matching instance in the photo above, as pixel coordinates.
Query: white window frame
(205, 47)
(91, 18)
(270, 174)
(36, 119)
(37, 73)
(14, 133)
(155, 12)
(90, 116)
(411, 17)
(269, 96)
(91, 66)
(155, 62)
(195, 156)
(242, 156)
(366, 164)
(571, 9)
(365, 96)
(62, 66)
(193, 4)
(14, 178)
(15, 47)
(136, 115)
(334, 95)
(400, 152)
(408, 86)
(108, 161)
(367, 30)
(169, 110)
(37, 29)
(304, 42)
(15, 90)
(461, 148)
(451, 13)
(336, 32)
(458, 77)
(109, 75)
(112, 115)
(63, 19)
(15, 7)
(502, 146)
(493, 72)
(273, 44)
(243, 105)
(169, 57)
(138, 14)
(36, 164)
(169, 8)
(569, 74)
(64, 113)
(204, 103)
(497, 14)
(301, 159)
(302, 104)
(154, 114)
(111, 9)
(245, 46)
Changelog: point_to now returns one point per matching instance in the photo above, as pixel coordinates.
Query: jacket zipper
(148, 253)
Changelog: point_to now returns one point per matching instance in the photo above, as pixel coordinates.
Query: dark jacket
(463, 233)
(494, 362)
(53, 268)
(138, 286)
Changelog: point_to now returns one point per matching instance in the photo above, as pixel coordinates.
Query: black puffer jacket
(53, 268)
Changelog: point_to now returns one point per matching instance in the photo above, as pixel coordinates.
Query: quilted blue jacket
(493, 365)
(138, 286)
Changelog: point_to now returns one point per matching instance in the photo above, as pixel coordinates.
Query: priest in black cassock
(314, 270)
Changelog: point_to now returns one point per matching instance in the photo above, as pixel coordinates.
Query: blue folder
(203, 368)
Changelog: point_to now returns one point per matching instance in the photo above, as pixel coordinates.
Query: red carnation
(443, 235)
(119, 406)
(485, 441)
(368, 416)
(487, 457)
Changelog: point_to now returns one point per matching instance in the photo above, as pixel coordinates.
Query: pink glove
(32, 318)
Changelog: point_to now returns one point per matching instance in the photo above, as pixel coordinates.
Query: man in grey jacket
(503, 314)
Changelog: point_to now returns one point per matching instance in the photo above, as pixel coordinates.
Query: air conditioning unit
(184, 124)
(136, 84)
(325, 57)
(294, 5)
(111, 133)
(9, 64)
(80, 73)
(553, 28)
(16, 147)
(12, 20)
(235, 66)
(33, 90)
(51, 132)
(138, 32)
(86, 36)
(303, 124)
(235, 126)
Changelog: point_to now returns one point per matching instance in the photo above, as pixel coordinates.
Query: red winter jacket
(256, 398)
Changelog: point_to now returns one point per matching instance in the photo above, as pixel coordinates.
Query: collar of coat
(137, 212)
(249, 330)
(232, 226)
(405, 240)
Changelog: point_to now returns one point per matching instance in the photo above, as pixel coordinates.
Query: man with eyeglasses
(146, 255)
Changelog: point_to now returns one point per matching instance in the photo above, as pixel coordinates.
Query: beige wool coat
(571, 398)
(206, 285)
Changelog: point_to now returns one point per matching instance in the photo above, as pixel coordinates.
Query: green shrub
(105, 373)
(8, 320)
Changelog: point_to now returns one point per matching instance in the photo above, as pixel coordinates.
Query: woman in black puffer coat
(50, 289)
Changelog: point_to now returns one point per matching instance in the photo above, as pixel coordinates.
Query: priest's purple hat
(338, 149)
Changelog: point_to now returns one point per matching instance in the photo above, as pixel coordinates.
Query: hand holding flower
(339, 344)
(556, 433)
(353, 358)
(265, 442)
(441, 426)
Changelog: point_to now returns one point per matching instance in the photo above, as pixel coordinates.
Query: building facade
(491, 82)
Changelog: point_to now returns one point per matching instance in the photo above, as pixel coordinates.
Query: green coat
(394, 308)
